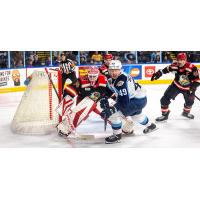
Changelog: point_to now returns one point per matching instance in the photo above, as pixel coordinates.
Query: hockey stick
(105, 106)
(197, 97)
(52, 83)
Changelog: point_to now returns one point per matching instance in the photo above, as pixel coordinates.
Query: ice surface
(176, 132)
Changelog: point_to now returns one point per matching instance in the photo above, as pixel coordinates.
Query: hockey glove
(27, 81)
(104, 103)
(156, 75)
(106, 113)
(193, 87)
(191, 93)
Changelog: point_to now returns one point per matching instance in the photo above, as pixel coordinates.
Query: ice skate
(113, 138)
(62, 134)
(62, 131)
(164, 117)
(188, 115)
(150, 128)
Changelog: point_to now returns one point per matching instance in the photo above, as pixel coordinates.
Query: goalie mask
(93, 74)
(181, 59)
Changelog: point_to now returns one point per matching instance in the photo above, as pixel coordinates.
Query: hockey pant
(118, 120)
(126, 117)
(171, 93)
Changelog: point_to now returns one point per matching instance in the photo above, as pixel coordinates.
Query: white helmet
(115, 64)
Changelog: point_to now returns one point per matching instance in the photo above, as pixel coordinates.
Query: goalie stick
(52, 83)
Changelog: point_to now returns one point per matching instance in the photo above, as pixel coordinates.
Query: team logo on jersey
(120, 83)
(183, 80)
(149, 70)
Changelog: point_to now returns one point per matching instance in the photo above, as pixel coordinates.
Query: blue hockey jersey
(126, 90)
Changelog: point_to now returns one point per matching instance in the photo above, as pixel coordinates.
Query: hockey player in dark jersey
(104, 67)
(185, 82)
(131, 99)
(67, 68)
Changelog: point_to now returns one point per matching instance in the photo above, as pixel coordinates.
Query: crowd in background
(19, 59)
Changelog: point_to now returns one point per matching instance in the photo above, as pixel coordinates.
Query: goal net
(36, 111)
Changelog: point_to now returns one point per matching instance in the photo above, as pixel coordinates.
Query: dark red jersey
(184, 76)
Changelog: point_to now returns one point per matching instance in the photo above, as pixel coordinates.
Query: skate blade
(118, 141)
(164, 121)
(184, 117)
(151, 131)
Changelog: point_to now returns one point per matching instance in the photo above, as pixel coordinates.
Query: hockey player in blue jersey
(131, 99)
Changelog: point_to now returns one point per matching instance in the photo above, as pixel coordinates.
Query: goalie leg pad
(65, 105)
(82, 110)
(65, 127)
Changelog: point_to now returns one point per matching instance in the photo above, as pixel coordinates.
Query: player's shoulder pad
(121, 80)
(189, 66)
(173, 66)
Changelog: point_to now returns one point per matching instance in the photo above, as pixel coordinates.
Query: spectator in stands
(36, 61)
(30, 62)
(166, 59)
(129, 58)
(19, 64)
(153, 56)
(157, 60)
(83, 57)
(71, 55)
(3, 59)
(16, 56)
(96, 58)
(48, 61)
(141, 57)
(57, 61)
(83, 60)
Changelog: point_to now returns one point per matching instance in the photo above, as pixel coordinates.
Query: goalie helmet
(181, 59)
(93, 74)
(115, 64)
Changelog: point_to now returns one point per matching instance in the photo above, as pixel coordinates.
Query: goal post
(36, 112)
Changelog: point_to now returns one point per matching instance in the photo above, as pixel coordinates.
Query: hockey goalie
(78, 104)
